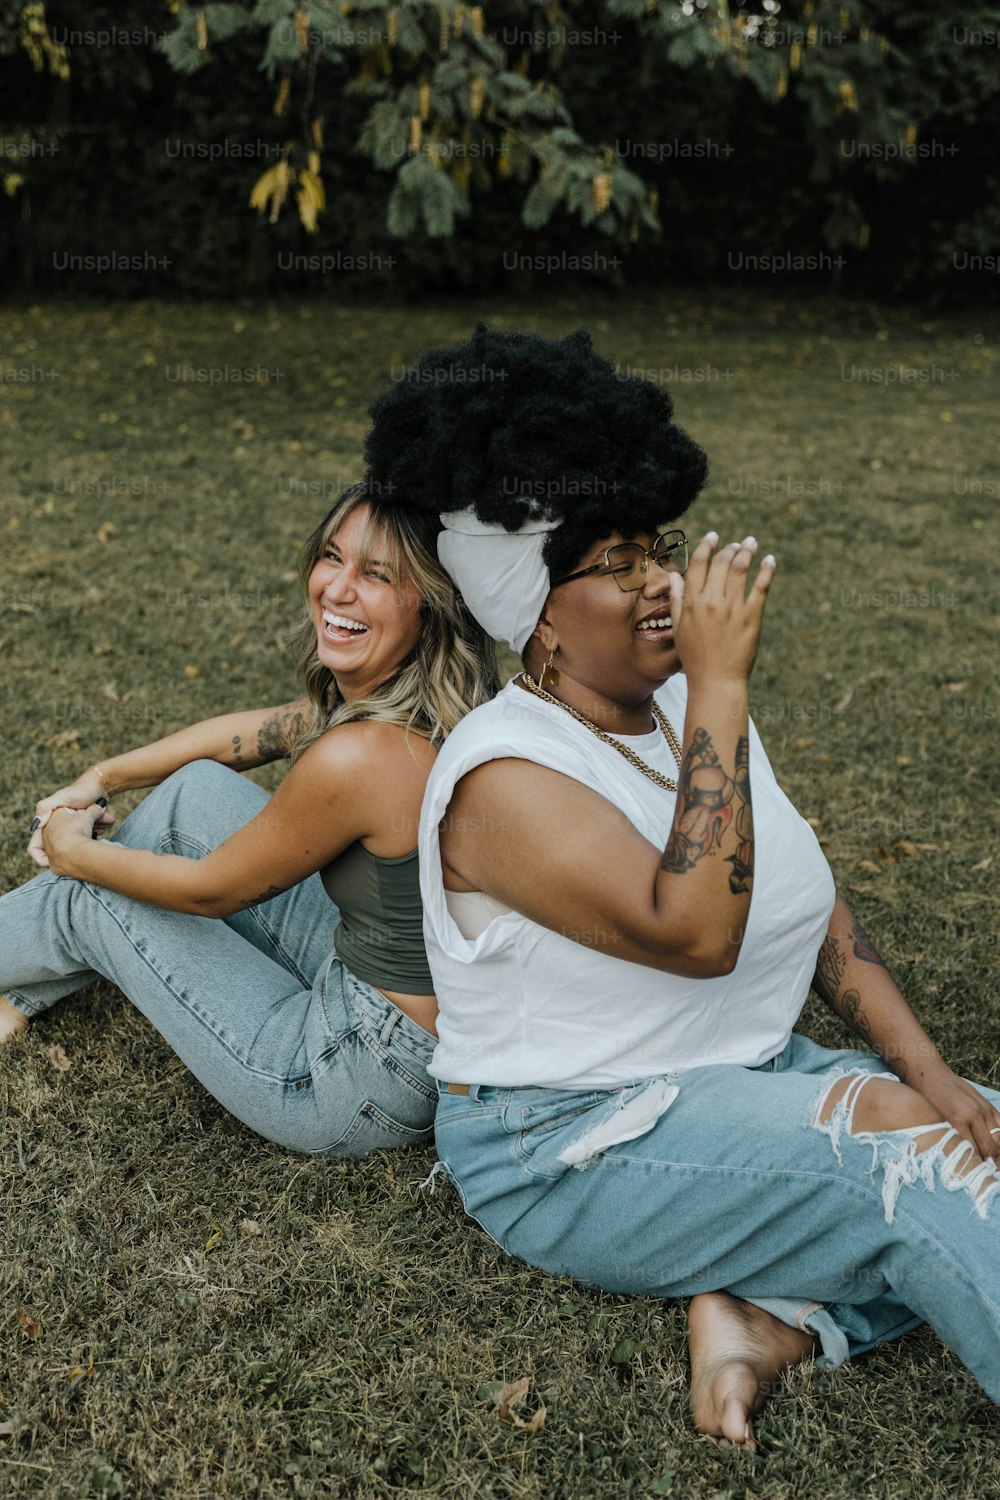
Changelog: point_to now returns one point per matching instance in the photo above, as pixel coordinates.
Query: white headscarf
(499, 573)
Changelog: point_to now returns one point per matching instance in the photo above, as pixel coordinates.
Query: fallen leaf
(507, 1397)
(58, 1058)
(215, 1238)
(803, 744)
(906, 846)
(82, 1372)
(29, 1328)
(511, 1395)
(192, 671)
(250, 1226)
(105, 530)
(869, 866)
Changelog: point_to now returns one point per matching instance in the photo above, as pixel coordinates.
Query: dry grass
(341, 1349)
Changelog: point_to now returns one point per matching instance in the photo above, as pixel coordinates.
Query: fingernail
(711, 536)
(770, 558)
(34, 824)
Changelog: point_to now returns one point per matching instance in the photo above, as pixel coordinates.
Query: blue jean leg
(191, 813)
(736, 1186)
(265, 1016)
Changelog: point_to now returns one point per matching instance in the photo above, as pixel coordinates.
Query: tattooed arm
(240, 740)
(852, 979)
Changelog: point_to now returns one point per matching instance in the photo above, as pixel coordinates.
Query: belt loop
(389, 1025)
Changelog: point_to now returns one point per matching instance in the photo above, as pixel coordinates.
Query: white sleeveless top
(521, 1005)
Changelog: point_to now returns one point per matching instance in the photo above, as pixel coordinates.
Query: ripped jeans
(741, 1183)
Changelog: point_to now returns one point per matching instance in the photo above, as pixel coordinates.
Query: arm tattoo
(863, 946)
(705, 798)
(850, 1009)
(831, 963)
(278, 734)
(237, 755)
(272, 890)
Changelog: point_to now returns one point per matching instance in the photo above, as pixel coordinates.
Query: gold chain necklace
(630, 755)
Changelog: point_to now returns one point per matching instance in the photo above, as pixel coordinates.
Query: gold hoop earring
(553, 671)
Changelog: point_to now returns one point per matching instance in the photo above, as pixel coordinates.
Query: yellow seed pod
(201, 27)
(316, 131)
(416, 133)
(477, 97)
(301, 19)
(795, 57)
(848, 94)
(911, 135)
(812, 34)
(281, 102)
(504, 167)
(600, 191)
(781, 87)
(477, 18)
(425, 99)
(392, 26)
(314, 163)
(458, 20)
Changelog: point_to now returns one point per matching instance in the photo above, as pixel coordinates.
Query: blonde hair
(453, 666)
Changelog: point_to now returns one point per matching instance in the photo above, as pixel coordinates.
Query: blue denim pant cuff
(813, 1318)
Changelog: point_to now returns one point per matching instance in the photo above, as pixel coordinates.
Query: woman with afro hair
(624, 913)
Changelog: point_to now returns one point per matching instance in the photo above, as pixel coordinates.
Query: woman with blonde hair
(275, 941)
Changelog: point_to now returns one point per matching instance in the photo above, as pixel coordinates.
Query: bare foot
(12, 1022)
(737, 1353)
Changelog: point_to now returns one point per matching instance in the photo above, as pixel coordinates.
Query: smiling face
(367, 620)
(619, 645)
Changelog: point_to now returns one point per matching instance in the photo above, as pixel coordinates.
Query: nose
(657, 580)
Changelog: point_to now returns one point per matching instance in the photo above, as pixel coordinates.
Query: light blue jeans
(740, 1185)
(256, 1004)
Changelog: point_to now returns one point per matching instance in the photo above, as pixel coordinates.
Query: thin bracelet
(104, 782)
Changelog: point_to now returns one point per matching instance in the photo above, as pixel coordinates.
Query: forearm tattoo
(831, 964)
(272, 890)
(279, 733)
(708, 801)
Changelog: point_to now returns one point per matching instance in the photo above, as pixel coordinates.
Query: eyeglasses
(628, 563)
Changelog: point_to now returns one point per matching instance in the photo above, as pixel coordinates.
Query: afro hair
(519, 426)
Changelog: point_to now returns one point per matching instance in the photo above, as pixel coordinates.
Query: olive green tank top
(380, 935)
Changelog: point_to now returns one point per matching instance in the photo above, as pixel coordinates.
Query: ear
(545, 634)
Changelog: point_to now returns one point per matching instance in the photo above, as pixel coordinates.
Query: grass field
(217, 1317)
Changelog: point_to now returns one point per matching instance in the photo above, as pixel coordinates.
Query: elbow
(703, 957)
(207, 904)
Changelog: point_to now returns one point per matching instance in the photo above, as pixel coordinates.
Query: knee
(885, 1105)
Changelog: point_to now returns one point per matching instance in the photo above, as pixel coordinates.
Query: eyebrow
(375, 562)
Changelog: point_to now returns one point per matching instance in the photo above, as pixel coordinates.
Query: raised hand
(716, 619)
